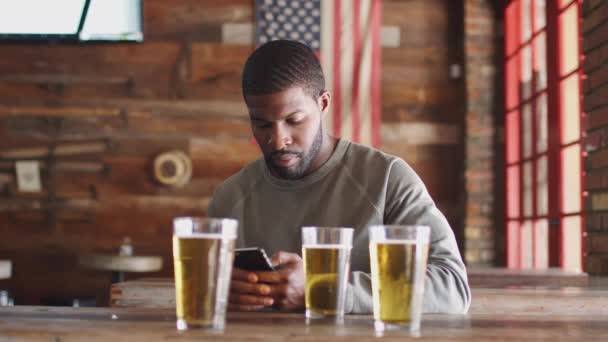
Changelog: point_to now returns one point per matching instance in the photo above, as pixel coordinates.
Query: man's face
(287, 127)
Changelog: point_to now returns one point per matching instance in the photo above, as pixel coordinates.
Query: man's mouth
(285, 160)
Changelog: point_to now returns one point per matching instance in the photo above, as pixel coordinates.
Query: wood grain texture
(57, 112)
(502, 277)
(426, 24)
(421, 133)
(160, 293)
(127, 324)
(217, 70)
(193, 20)
(150, 68)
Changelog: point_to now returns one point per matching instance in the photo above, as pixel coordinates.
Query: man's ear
(324, 101)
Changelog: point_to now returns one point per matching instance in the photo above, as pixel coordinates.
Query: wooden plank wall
(122, 104)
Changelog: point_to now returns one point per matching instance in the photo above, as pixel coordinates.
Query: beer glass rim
(185, 226)
(326, 236)
(401, 226)
(422, 231)
(346, 229)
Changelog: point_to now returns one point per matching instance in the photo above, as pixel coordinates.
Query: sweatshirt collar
(335, 158)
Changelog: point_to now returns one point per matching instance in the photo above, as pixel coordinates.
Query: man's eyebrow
(253, 117)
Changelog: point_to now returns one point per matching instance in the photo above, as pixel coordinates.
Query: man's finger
(247, 287)
(277, 277)
(278, 290)
(242, 275)
(270, 277)
(250, 300)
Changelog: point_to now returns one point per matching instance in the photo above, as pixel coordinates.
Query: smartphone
(252, 259)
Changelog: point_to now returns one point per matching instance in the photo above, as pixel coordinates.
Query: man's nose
(280, 137)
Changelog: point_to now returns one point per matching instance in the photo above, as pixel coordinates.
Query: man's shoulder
(369, 165)
(373, 159)
(240, 183)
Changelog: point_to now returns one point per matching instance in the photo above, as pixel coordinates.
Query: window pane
(540, 61)
(513, 244)
(571, 243)
(570, 109)
(19, 18)
(568, 28)
(512, 26)
(571, 179)
(526, 129)
(541, 244)
(513, 191)
(512, 137)
(512, 78)
(527, 189)
(526, 244)
(542, 189)
(526, 72)
(539, 15)
(526, 20)
(541, 123)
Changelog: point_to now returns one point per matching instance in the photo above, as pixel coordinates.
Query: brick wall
(595, 88)
(480, 57)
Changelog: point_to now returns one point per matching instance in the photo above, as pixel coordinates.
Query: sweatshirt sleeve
(446, 288)
(220, 207)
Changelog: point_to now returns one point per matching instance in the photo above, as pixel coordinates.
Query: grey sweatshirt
(357, 187)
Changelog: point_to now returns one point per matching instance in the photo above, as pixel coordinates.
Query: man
(308, 178)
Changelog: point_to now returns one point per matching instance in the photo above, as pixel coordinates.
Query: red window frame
(539, 215)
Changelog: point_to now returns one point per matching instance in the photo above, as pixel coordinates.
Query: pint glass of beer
(398, 256)
(326, 254)
(203, 249)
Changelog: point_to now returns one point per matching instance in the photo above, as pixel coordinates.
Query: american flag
(346, 36)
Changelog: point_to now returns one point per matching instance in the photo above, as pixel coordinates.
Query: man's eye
(295, 122)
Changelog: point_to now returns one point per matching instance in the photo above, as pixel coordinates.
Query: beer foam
(396, 242)
(333, 246)
(200, 236)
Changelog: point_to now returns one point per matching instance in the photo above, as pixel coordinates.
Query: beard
(305, 159)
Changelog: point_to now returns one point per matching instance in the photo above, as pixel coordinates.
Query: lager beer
(326, 270)
(393, 269)
(202, 256)
(398, 256)
(326, 254)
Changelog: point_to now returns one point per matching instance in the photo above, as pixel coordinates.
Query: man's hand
(246, 293)
(284, 289)
(287, 285)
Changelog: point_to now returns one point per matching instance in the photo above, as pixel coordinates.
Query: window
(71, 20)
(544, 218)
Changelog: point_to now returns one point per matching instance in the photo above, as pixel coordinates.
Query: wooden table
(499, 277)
(160, 293)
(5, 269)
(24, 323)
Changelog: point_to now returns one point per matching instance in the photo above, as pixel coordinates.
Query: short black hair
(282, 64)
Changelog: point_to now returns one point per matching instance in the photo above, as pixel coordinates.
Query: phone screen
(252, 259)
